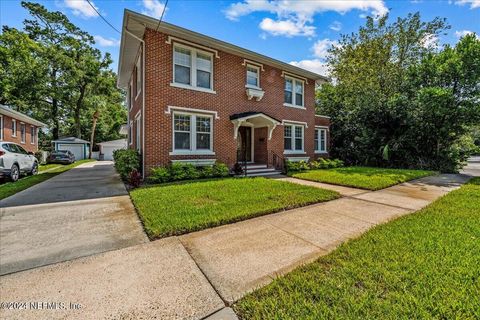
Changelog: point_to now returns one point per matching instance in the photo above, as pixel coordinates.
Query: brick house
(19, 128)
(196, 99)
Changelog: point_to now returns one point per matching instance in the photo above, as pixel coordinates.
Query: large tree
(383, 81)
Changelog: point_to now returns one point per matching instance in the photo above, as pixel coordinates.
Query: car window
(6, 146)
(13, 148)
(20, 149)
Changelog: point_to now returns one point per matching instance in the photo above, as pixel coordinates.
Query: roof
(118, 142)
(71, 140)
(133, 28)
(251, 114)
(6, 110)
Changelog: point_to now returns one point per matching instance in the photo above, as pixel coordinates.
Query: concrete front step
(264, 173)
(255, 166)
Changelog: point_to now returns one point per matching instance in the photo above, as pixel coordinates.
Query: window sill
(249, 86)
(293, 106)
(186, 86)
(192, 152)
(320, 152)
(294, 152)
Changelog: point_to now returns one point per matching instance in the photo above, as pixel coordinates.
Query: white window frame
(247, 85)
(130, 95)
(1, 127)
(23, 137)
(138, 127)
(318, 144)
(293, 137)
(193, 135)
(32, 133)
(130, 135)
(14, 127)
(294, 83)
(193, 69)
(138, 74)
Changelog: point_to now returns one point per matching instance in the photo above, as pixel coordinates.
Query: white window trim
(321, 128)
(130, 95)
(1, 127)
(14, 132)
(130, 131)
(293, 137)
(193, 135)
(293, 105)
(32, 138)
(23, 138)
(138, 141)
(138, 66)
(193, 69)
(191, 110)
(247, 85)
(176, 40)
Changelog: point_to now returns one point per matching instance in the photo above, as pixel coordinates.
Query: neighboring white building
(108, 147)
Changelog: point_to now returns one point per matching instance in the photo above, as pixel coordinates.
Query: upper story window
(192, 68)
(192, 133)
(22, 132)
(320, 140)
(130, 133)
(32, 135)
(293, 138)
(293, 93)
(1, 127)
(253, 76)
(14, 128)
(138, 68)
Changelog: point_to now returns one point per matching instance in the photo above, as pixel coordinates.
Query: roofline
(199, 38)
(5, 110)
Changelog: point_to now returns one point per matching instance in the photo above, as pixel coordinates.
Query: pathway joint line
(384, 204)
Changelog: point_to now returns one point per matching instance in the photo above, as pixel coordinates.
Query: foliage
(66, 80)
(134, 178)
(421, 266)
(126, 161)
(184, 207)
(180, 171)
(238, 169)
(363, 177)
(10, 188)
(397, 102)
(321, 163)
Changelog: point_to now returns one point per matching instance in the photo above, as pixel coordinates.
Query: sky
(294, 31)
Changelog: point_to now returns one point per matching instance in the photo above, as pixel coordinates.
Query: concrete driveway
(81, 212)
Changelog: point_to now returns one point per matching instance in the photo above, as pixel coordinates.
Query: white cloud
(336, 26)
(287, 28)
(82, 8)
(296, 17)
(314, 65)
(104, 42)
(430, 41)
(320, 48)
(153, 8)
(473, 3)
(463, 33)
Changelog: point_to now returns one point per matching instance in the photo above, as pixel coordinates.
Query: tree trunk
(56, 122)
(92, 136)
(78, 108)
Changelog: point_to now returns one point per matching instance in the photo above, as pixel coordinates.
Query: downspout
(143, 99)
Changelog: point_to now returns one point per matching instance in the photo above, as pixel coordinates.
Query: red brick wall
(10, 137)
(229, 77)
(136, 105)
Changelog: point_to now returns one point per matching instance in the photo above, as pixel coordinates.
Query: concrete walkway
(198, 275)
(81, 212)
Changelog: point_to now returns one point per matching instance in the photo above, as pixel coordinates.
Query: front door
(244, 144)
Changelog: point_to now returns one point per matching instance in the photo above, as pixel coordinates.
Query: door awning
(255, 120)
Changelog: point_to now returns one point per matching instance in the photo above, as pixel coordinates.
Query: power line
(93, 7)
(161, 17)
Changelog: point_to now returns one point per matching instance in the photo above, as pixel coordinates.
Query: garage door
(108, 152)
(76, 149)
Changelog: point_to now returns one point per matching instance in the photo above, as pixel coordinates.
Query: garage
(108, 147)
(79, 147)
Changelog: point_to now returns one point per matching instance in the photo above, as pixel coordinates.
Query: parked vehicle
(15, 161)
(61, 156)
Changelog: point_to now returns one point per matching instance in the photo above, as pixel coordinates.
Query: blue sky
(297, 32)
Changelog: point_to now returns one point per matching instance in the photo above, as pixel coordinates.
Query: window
(293, 92)
(253, 76)
(138, 68)
(14, 128)
(192, 67)
(192, 133)
(137, 133)
(293, 138)
(22, 132)
(1, 127)
(32, 135)
(130, 133)
(320, 140)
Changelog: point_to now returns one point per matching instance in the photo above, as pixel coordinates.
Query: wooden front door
(244, 144)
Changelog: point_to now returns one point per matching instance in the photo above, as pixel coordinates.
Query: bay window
(293, 138)
(192, 134)
(320, 140)
(193, 68)
(293, 93)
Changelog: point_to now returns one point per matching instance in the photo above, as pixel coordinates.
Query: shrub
(177, 171)
(320, 163)
(126, 161)
(206, 172)
(295, 166)
(134, 178)
(220, 169)
(191, 172)
(180, 171)
(159, 175)
(39, 156)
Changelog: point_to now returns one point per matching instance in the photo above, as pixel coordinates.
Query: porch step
(264, 173)
(255, 166)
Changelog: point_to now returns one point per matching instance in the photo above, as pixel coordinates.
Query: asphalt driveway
(81, 212)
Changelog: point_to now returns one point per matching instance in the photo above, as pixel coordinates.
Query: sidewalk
(161, 279)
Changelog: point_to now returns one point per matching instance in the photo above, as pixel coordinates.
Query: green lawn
(45, 167)
(10, 188)
(363, 177)
(421, 266)
(179, 208)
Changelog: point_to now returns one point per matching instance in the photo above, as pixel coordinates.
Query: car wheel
(34, 169)
(14, 173)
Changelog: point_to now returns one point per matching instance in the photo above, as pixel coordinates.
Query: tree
(384, 101)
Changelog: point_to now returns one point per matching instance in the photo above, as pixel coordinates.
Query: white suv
(14, 161)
